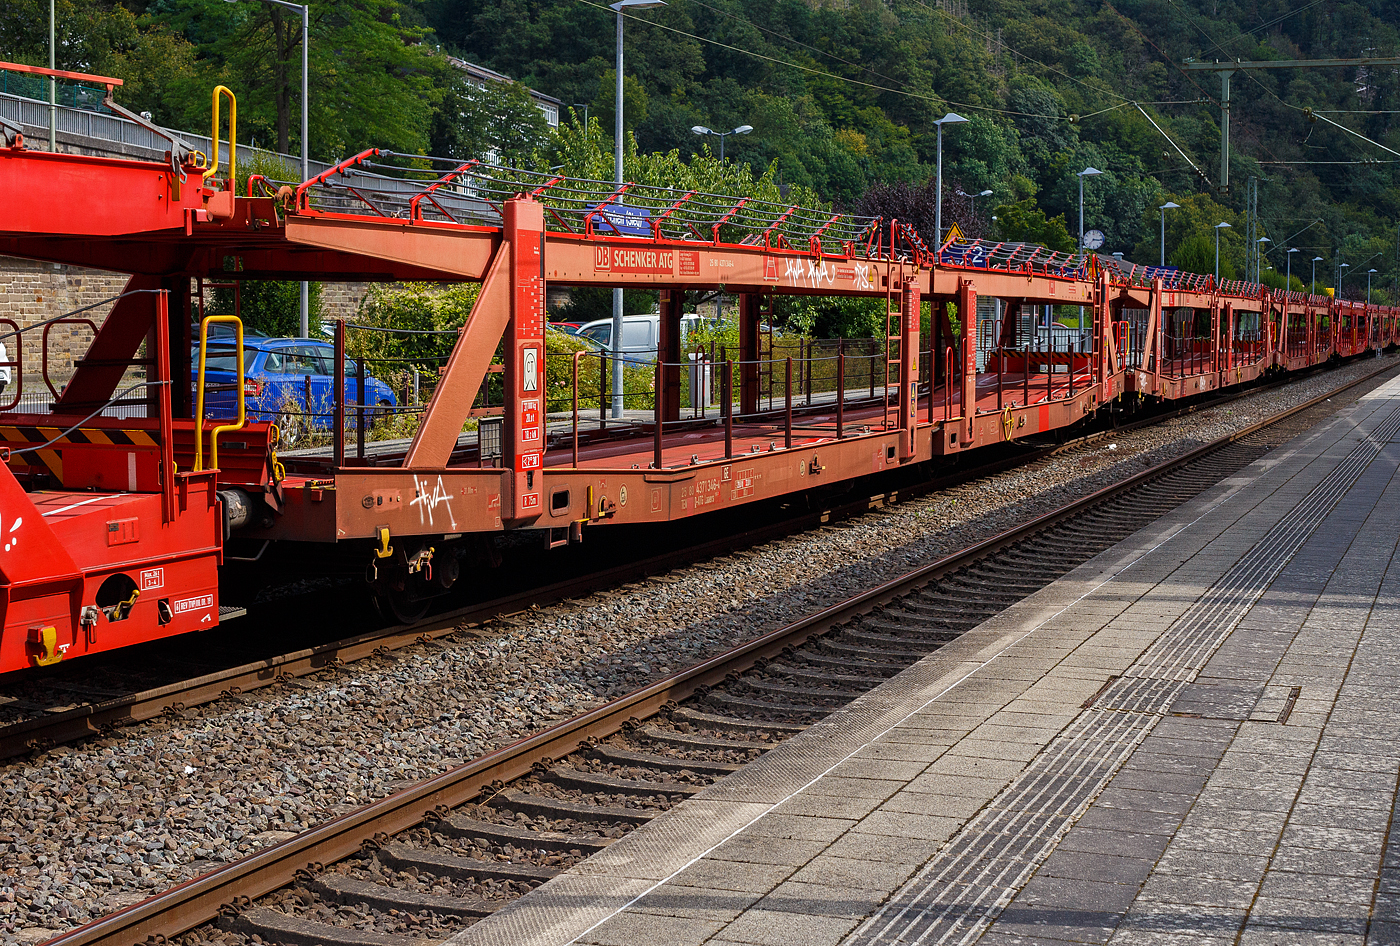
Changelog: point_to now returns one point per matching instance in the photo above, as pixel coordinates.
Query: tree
(157, 64)
(475, 119)
(1024, 222)
(374, 81)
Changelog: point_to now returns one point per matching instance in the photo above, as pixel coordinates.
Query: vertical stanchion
(811, 368)
(999, 377)
(338, 450)
(840, 389)
(164, 408)
(602, 392)
(787, 385)
(872, 369)
(1026, 378)
(728, 409)
(577, 356)
(360, 410)
(656, 417)
(948, 384)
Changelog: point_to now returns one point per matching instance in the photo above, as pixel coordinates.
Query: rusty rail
(201, 899)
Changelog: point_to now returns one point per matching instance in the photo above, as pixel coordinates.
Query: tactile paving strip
(961, 891)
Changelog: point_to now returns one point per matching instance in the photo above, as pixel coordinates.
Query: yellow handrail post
(199, 393)
(232, 135)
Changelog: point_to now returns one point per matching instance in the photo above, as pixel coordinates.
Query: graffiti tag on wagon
(808, 272)
(428, 502)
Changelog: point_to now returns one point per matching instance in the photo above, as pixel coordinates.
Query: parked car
(641, 334)
(288, 381)
(225, 332)
(568, 328)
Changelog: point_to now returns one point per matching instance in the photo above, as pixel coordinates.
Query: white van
(641, 334)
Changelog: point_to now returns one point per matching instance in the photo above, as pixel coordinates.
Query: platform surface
(1192, 738)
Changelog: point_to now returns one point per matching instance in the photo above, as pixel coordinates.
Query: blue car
(287, 381)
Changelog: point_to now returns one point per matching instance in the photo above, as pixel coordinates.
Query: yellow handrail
(232, 135)
(199, 395)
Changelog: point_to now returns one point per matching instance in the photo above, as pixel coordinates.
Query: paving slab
(1188, 739)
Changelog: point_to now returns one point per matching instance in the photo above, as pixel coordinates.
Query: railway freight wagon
(115, 527)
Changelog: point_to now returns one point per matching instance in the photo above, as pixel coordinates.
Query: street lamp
(972, 200)
(1288, 285)
(1315, 261)
(949, 119)
(1222, 225)
(1369, 273)
(1259, 257)
(305, 12)
(620, 7)
(721, 135)
(1087, 172)
(1169, 205)
(1341, 274)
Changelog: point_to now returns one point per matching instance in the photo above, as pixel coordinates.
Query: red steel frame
(149, 220)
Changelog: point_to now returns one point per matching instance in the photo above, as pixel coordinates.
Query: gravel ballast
(88, 829)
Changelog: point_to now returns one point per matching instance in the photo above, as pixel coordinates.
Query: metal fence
(114, 133)
(41, 402)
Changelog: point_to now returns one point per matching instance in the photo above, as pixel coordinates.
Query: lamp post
(305, 12)
(1087, 172)
(619, 7)
(53, 83)
(584, 106)
(1169, 205)
(1315, 261)
(1288, 280)
(721, 135)
(1369, 274)
(972, 200)
(1222, 225)
(1341, 274)
(949, 119)
(1259, 258)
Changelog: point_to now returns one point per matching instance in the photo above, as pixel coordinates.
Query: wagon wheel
(401, 605)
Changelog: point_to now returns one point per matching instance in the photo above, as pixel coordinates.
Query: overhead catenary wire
(988, 38)
(1357, 134)
(830, 75)
(871, 85)
(1173, 143)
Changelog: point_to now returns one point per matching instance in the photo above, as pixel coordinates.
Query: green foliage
(415, 307)
(271, 307)
(1024, 222)
(476, 119)
(841, 96)
(584, 152)
(155, 62)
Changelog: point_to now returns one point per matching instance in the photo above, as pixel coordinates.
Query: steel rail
(203, 898)
(93, 719)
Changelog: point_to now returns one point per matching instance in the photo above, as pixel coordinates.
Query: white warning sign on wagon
(530, 369)
(182, 605)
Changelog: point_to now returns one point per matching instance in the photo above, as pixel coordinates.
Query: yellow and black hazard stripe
(96, 435)
(54, 438)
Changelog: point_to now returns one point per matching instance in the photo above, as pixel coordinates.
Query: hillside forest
(843, 97)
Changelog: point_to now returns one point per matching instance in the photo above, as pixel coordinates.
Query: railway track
(438, 855)
(77, 701)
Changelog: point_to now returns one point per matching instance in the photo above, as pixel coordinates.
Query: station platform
(1190, 738)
